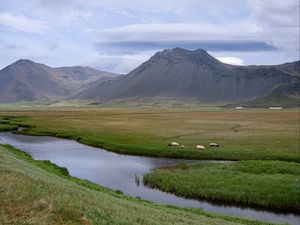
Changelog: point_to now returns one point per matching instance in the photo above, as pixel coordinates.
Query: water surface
(120, 172)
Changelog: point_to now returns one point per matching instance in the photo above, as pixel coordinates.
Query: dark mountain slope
(290, 68)
(287, 95)
(182, 74)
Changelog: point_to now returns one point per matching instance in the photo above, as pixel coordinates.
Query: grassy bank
(38, 192)
(248, 134)
(271, 184)
(9, 123)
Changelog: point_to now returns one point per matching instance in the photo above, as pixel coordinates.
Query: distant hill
(26, 80)
(194, 75)
(287, 95)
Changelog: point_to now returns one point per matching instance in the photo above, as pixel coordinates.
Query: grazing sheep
(181, 146)
(213, 145)
(173, 144)
(200, 147)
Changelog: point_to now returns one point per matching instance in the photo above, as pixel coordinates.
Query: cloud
(209, 45)
(122, 34)
(274, 13)
(121, 64)
(141, 37)
(22, 23)
(172, 31)
(279, 21)
(125, 13)
(232, 60)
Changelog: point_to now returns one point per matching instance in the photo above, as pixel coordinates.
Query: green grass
(61, 199)
(272, 184)
(8, 123)
(11, 123)
(45, 164)
(39, 192)
(248, 134)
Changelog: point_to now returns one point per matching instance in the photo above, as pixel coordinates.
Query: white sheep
(213, 145)
(200, 147)
(173, 144)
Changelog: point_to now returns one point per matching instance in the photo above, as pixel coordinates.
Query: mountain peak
(24, 61)
(183, 51)
(177, 55)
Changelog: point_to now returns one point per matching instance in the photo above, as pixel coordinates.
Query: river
(125, 173)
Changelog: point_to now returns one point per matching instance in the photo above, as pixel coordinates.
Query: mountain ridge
(183, 74)
(176, 74)
(25, 80)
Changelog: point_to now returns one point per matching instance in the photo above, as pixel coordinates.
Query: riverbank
(263, 135)
(270, 184)
(34, 191)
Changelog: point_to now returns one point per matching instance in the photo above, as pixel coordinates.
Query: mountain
(286, 95)
(77, 78)
(26, 80)
(194, 75)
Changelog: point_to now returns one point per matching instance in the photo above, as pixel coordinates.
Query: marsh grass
(11, 123)
(271, 184)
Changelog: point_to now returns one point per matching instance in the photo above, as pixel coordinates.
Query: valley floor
(246, 134)
(30, 194)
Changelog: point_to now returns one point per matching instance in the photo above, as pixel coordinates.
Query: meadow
(248, 134)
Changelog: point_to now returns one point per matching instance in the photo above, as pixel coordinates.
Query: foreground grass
(271, 184)
(38, 192)
(260, 134)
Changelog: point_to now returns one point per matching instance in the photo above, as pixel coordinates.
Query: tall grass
(271, 184)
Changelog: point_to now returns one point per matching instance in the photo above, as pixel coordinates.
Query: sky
(119, 35)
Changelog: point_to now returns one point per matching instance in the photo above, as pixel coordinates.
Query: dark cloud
(221, 45)
(12, 46)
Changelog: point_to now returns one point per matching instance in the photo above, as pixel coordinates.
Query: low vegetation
(271, 184)
(34, 191)
(38, 192)
(11, 123)
(246, 134)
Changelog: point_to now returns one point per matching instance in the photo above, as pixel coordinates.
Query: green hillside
(34, 195)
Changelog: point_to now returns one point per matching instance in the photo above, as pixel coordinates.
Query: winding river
(125, 173)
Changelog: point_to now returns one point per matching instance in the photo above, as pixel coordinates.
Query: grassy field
(271, 184)
(29, 194)
(38, 192)
(248, 134)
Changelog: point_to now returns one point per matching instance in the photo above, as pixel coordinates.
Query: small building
(239, 107)
(275, 107)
